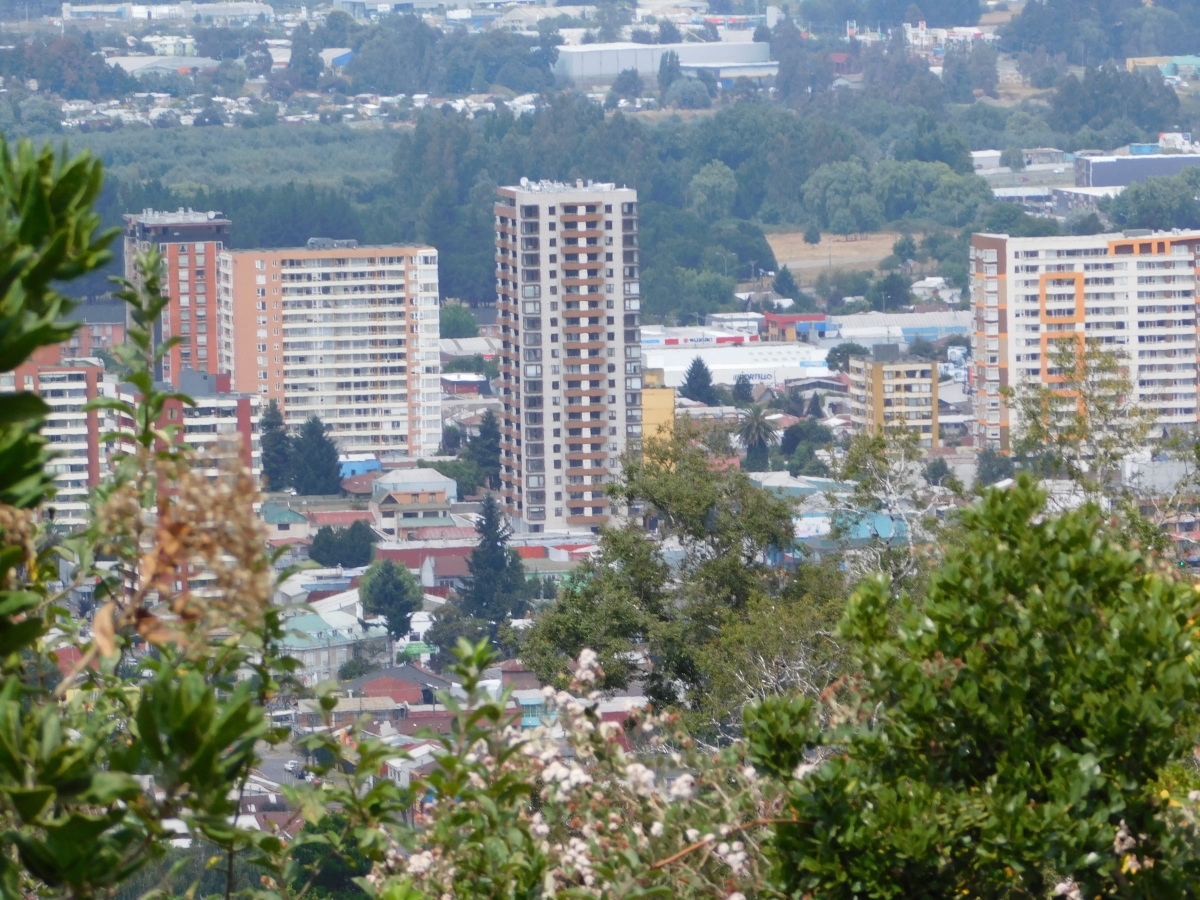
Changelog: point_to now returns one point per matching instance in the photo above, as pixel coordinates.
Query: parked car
(292, 766)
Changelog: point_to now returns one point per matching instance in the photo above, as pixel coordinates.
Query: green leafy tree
(905, 248)
(721, 624)
(839, 357)
(1158, 203)
(757, 433)
(890, 293)
(1014, 158)
(393, 592)
(628, 83)
(608, 605)
(350, 547)
(1088, 420)
(687, 93)
(276, 449)
(457, 322)
(1033, 642)
(992, 467)
(922, 349)
(937, 473)
(451, 440)
(812, 234)
(476, 363)
(356, 668)
(314, 461)
(305, 64)
(331, 870)
(697, 384)
(712, 190)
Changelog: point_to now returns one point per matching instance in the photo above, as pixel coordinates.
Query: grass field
(807, 261)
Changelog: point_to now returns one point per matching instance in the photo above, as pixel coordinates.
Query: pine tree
(697, 385)
(315, 467)
(743, 393)
(785, 284)
(814, 407)
(276, 449)
(498, 588)
(391, 591)
(669, 70)
(484, 449)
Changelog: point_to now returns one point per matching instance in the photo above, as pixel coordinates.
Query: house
(348, 710)
(762, 394)
(360, 486)
(422, 756)
(402, 684)
(284, 523)
(321, 643)
(358, 464)
(515, 674)
(468, 383)
(404, 500)
(452, 572)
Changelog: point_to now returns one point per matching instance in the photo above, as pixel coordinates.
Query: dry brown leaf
(102, 629)
(153, 629)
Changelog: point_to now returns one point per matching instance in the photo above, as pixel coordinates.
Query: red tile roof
(451, 567)
(339, 517)
(360, 484)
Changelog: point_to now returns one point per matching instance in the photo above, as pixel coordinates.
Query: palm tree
(757, 433)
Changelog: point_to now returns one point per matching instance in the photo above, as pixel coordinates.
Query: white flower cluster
(682, 787)
(420, 863)
(641, 779)
(575, 859)
(733, 855)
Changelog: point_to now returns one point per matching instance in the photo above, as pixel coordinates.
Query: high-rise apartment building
(346, 333)
(73, 434)
(567, 286)
(189, 242)
(890, 391)
(1134, 292)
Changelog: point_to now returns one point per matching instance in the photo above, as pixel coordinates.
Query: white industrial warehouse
(771, 364)
(588, 64)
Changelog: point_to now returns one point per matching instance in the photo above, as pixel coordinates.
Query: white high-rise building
(568, 292)
(343, 332)
(1134, 292)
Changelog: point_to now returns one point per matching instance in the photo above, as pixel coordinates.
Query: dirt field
(807, 261)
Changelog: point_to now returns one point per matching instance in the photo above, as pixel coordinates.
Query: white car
(291, 766)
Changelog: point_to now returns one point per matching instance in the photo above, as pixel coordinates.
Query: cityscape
(688, 448)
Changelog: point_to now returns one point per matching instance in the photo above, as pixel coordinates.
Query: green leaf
(30, 802)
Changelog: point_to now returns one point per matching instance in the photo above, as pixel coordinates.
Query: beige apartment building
(343, 332)
(890, 391)
(568, 292)
(1133, 292)
(189, 242)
